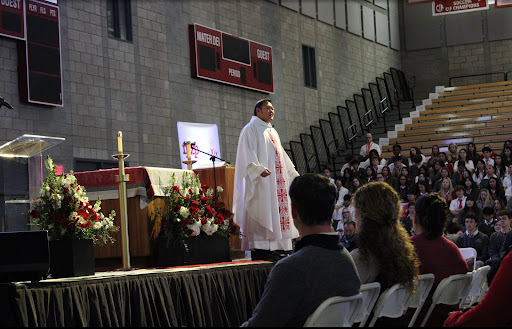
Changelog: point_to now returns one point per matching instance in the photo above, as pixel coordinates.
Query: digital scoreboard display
(223, 57)
(43, 58)
(11, 19)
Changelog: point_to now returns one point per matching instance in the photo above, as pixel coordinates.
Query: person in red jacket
(494, 309)
(437, 254)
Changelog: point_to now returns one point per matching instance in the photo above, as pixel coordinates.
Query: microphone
(3, 102)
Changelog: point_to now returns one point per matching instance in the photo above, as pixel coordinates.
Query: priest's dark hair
(313, 197)
(260, 103)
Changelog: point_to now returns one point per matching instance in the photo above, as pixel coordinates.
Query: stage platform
(223, 294)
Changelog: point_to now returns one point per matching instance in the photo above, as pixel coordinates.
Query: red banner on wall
(503, 3)
(446, 7)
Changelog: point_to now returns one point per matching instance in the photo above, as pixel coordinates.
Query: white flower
(195, 227)
(226, 222)
(184, 212)
(220, 189)
(195, 190)
(98, 225)
(209, 192)
(209, 228)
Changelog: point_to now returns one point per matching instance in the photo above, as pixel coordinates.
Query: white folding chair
(392, 303)
(477, 286)
(469, 253)
(450, 291)
(336, 311)
(370, 293)
(423, 287)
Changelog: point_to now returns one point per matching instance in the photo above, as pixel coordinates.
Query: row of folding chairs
(395, 301)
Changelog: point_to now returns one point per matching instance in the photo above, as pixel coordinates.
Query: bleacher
(481, 113)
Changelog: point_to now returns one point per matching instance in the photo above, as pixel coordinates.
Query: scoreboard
(223, 57)
(36, 24)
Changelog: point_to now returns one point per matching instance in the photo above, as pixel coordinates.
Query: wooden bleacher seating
(481, 113)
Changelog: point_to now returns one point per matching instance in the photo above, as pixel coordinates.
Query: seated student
(498, 238)
(496, 190)
(347, 204)
(486, 226)
(368, 162)
(421, 189)
(458, 175)
(479, 173)
(484, 199)
(396, 151)
(349, 239)
(452, 156)
(489, 174)
(470, 206)
(506, 155)
(320, 266)
(445, 173)
(507, 181)
(487, 155)
(447, 164)
(407, 220)
(446, 191)
(327, 173)
(434, 157)
(382, 237)
(470, 188)
(474, 239)
(498, 206)
(395, 168)
(356, 171)
(341, 192)
(472, 153)
(402, 188)
(388, 178)
(348, 159)
(437, 254)
(458, 204)
(494, 309)
(346, 179)
(416, 151)
(463, 156)
(500, 169)
(370, 175)
(356, 183)
(375, 164)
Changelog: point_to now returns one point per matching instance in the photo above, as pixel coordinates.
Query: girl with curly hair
(385, 253)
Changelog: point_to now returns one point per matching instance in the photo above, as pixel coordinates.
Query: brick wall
(144, 87)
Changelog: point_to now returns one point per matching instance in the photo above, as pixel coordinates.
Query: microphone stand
(212, 158)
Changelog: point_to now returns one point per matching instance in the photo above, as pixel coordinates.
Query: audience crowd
(398, 218)
(465, 202)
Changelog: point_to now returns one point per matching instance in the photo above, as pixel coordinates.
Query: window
(119, 19)
(90, 165)
(308, 55)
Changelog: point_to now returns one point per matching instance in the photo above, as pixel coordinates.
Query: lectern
(21, 178)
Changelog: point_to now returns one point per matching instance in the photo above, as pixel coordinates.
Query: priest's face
(266, 113)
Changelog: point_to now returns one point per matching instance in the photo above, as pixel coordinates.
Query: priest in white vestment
(263, 174)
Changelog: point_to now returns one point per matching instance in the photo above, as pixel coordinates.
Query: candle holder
(189, 162)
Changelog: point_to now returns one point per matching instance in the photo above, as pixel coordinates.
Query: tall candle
(189, 150)
(120, 142)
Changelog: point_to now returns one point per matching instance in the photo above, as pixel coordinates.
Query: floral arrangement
(63, 209)
(189, 210)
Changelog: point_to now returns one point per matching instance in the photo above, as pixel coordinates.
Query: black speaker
(24, 256)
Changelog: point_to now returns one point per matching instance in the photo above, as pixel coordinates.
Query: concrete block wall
(144, 87)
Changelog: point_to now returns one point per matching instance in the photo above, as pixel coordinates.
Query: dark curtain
(223, 296)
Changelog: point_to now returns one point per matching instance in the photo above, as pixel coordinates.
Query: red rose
(94, 217)
(187, 198)
(183, 224)
(190, 191)
(175, 188)
(203, 221)
(67, 199)
(35, 214)
(194, 203)
(220, 217)
(65, 190)
(189, 232)
(82, 213)
(204, 200)
(204, 186)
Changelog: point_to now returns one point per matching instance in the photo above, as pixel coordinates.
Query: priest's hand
(265, 173)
